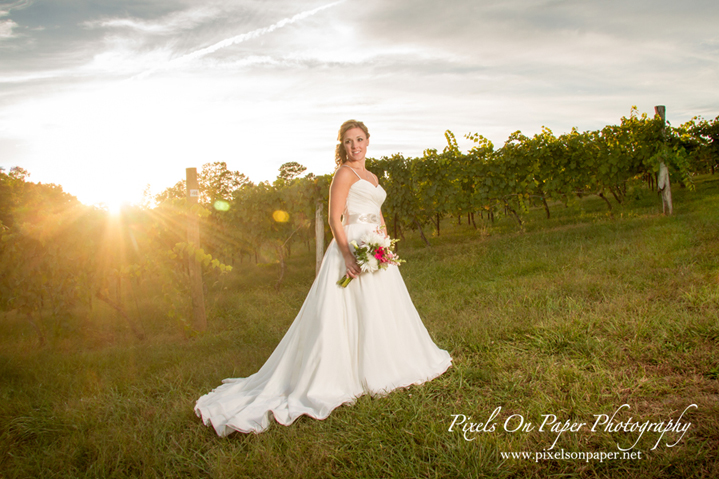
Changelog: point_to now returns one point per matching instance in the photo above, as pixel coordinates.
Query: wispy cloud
(6, 28)
(16, 5)
(178, 21)
(234, 40)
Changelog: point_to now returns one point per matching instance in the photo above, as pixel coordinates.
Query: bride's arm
(339, 189)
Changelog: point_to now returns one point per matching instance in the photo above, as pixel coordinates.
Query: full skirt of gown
(344, 342)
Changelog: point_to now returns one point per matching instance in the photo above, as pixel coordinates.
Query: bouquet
(374, 253)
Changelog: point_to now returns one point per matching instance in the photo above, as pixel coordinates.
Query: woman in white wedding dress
(344, 342)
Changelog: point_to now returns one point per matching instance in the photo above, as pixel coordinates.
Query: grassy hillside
(572, 317)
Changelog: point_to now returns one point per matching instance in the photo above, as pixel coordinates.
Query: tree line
(59, 257)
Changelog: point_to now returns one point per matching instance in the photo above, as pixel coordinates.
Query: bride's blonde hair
(340, 153)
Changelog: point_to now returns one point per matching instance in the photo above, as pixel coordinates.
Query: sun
(111, 196)
(113, 202)
(114, 206)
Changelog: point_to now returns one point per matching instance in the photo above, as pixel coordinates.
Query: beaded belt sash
(362, 218)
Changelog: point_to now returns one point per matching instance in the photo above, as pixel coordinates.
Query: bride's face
(355, 142)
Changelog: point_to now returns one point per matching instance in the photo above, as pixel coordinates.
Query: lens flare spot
(221, 205)
(281, 216)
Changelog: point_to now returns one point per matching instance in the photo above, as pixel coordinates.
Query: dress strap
(353, 171)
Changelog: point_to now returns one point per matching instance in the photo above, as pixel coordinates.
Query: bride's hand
(351, 267)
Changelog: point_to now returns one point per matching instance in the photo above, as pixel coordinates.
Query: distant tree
(6, 199)
(217, 182)
(147, 199)
(291, 170)
(175, 191)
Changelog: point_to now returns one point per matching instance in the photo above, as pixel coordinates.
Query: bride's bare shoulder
(343, 176)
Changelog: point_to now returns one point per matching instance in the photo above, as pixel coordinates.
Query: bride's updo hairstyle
(340, 153)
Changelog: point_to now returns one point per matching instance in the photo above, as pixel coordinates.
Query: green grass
(572, 316)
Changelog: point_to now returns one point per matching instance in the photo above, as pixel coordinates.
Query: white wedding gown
(344, 342)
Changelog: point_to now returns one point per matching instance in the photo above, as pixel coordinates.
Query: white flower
(370, 266)
(373, 238)
(366, 238)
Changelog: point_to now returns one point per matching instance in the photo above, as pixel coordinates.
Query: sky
(105, 97)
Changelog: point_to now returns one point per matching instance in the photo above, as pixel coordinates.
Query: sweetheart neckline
(368, 181)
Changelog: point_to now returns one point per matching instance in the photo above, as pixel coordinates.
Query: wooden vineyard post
(193, 238)
(663, 184)
(319, 236)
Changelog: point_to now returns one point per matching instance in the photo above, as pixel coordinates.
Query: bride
(344, 342)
